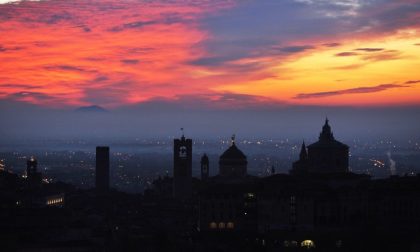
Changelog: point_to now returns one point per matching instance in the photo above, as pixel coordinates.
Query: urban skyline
(229, 209)
(209, 125)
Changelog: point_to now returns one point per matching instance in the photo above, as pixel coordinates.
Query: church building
(233, 162)
(325, 156)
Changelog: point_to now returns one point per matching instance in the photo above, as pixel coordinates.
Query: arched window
(307, 244)
(183, 152)
(222, 225)
(213, 225)
(230, 225)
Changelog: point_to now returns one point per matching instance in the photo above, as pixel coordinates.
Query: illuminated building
(55, 200)
(182, 188)
(227, 206)
(2, 165)
(102, 169)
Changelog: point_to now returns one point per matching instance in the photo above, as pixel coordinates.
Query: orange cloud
(113, 53)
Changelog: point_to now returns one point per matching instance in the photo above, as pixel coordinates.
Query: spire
(204, 167)
(326, 133)
(303, 153)
(233, 139)
(183, 137)
(204, 158)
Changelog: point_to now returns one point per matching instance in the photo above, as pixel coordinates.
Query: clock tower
(182, 188)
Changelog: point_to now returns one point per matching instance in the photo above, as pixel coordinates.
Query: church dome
(327, 140)
(233, 153)
(232, 162)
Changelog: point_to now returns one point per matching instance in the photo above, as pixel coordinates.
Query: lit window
(307, 244)
(222, 225)
(250, 195)
(213, 225)
(230, 225)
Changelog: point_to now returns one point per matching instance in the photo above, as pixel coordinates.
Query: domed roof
(327, 140)
(233, 153)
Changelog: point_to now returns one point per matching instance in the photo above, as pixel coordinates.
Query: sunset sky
(218, 53)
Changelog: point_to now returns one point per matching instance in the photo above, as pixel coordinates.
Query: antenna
(233, 139)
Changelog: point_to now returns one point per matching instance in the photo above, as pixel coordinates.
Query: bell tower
(204, 167)
(33, 177)
(182, 188)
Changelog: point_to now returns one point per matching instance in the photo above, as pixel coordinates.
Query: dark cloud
(101, 78)
(358, 90)
(212, 61)
(369, 49)
(388, 16)
(136, 50)
(270, 20)
(384, 56)
(346, 54)
(225, 60)
(83, 28)
(228, 64)
(350, 67)
(14, 48)
(42, 44)
(86, 29)
(55, 18)
(239, 98)
(331, 44)
(373, 54)
(296, 49)
(261, 26)
(28, 96)
(94, 59)
(173, 18)
(22, 86)
(132, 25)
(418, 44)
(412, 82)
(130, 61)
(67, 68)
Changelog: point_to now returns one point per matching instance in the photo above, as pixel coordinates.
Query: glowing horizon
(113, 53)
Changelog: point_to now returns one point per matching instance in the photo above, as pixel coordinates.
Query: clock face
(183, 152)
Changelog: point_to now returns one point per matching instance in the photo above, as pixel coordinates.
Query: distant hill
(91, 109)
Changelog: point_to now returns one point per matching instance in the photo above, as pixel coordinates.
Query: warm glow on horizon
(323, 71)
